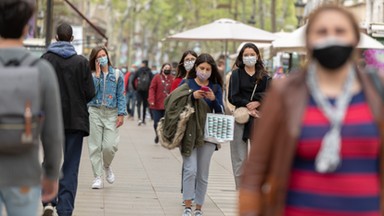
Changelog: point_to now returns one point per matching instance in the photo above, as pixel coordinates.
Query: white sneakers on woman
(97, 183)
(109, 176)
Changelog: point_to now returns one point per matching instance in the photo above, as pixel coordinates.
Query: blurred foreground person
(321, 150)
(30, 111)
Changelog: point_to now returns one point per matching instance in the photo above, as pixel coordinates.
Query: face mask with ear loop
(332, 53)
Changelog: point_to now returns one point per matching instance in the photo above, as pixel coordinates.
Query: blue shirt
(109, 92)
(217, 104)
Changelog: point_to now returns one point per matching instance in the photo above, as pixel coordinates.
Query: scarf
(328, 158)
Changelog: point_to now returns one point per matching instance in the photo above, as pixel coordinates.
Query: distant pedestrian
(279, 74)
(247, 87)
(76, 90)
(107, 110)
(30, 112)
(130, 92)
(142, 80)
(158, 91)
(319, 146)
(186, 64)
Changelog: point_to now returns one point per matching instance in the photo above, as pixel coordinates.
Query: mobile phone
(205, 88)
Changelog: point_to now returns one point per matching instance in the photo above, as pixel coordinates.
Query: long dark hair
(162, 67)
(260, 69)
(181, 72)
(215, 77)
(92, 57)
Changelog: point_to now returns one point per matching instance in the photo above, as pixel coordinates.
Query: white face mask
(250, 60)
(188, 65)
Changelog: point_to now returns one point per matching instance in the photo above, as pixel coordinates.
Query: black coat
(76, 89)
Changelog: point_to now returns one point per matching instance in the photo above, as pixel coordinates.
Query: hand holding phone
(205, 89)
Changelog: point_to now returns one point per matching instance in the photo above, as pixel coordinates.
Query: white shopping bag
(219, 128)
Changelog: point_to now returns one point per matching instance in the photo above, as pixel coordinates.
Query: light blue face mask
(103, 60)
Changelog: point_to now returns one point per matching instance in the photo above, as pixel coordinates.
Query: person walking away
(322, 132)
(143, 78)
(107, 110)
(186, 64)
(206, 97)
(131, 93)
(76, 90)
(29, 97)
(158, 91)
(247, 87)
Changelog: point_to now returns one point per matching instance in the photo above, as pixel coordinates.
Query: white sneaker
(97, 183)
(187, 212)
(109, 175)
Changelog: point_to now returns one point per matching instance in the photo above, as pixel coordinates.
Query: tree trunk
(273, 15)
(261, 14)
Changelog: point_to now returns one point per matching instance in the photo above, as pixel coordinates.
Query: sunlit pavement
(148, 179)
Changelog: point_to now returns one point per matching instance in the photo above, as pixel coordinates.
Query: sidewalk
(148, 179)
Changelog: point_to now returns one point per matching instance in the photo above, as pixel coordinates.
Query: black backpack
(143, 81)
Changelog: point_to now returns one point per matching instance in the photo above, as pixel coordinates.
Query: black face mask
(333, 55)
(166, 72)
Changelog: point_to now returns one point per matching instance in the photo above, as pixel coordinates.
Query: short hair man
(20, 174)
(77, 89)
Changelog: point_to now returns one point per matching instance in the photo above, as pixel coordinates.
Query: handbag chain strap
(253, 93)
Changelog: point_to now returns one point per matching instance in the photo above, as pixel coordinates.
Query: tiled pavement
(148, 180)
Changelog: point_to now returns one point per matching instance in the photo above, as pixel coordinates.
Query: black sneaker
(156, 139)
(48, 210)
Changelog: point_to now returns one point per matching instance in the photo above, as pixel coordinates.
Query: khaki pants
(103, 139)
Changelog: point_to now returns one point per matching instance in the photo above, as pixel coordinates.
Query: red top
(159, 90)
(176, 83)
(126, 78)
(354, 188)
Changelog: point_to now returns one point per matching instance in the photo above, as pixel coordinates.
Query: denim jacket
(110, 93)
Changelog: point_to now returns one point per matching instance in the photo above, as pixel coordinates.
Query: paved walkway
(148, 180)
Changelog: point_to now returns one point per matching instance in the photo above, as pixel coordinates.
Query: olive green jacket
(184, 121)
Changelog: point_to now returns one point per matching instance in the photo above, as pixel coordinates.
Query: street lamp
(299, 9)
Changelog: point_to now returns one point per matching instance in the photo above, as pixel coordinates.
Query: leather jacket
(267, 172)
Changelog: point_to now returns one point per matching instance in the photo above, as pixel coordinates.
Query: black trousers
(142, 101)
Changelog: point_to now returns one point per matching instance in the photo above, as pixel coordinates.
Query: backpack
(144, 81)
(20, 105)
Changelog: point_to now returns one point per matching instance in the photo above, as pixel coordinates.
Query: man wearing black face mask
(158, 91)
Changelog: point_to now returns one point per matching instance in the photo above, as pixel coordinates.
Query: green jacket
(184, 121)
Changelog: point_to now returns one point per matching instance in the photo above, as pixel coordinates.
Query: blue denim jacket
(110, 93)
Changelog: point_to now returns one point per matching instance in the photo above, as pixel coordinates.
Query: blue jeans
(131, 102)
(20, 201)
(65, 201)
(157, 115)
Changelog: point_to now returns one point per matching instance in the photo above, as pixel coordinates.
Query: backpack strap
(117, 75)
(26, 60)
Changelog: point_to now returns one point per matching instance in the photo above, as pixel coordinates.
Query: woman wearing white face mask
(106, 114)
(185, 65)
(247, 86)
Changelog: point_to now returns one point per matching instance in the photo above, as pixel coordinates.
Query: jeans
(239, 153)
(20, 201)
(195, 173)
(65, 201)
(104, 138)
(142, 99)
(157, 115)
(131, 102)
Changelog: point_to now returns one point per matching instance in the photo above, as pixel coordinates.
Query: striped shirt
(354, 188)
